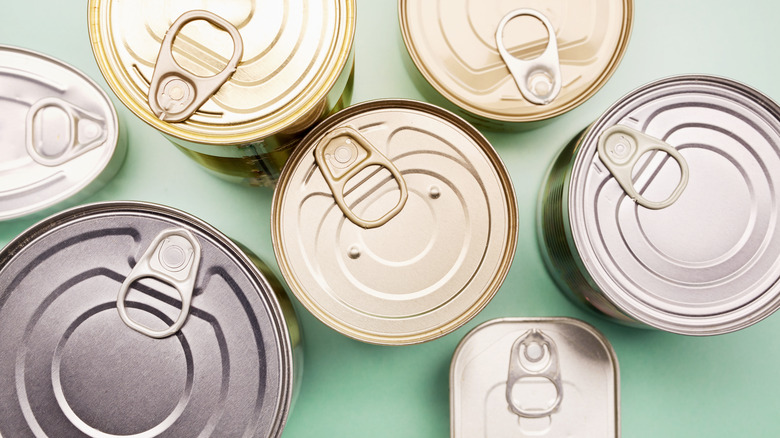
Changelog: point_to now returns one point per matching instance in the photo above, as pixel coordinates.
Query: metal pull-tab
(58, 131)
(621, 147)
(341, 155)
(534, 355)
(538, 79)
(174, 93)
(173, 258)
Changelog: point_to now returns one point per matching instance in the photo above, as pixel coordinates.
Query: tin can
(540, 377)
(60, 134)
(134, 319)
(664, 210)
(394, 222)
(234, 85)
(501, 63)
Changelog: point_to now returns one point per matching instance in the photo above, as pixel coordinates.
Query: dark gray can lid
(71, 367)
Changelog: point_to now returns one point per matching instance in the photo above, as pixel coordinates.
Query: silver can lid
(394, 222)
(73, 365)
(534, 377)
(673, 204)
(59, 132)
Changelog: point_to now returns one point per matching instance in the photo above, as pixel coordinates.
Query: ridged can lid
(524, 377)
(59, 130)
(242, 70)
(489, 59)
(394, 222)
(673, 204)
(134, 319)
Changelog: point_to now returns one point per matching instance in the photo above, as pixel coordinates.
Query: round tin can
(394, 222)
(545, 377)
(505, 62)
(60, 134)
(133, 319)
(235, 85)
(664, 210)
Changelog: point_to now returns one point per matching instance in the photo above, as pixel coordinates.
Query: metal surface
(563, 380)
(71, 367)
(296, 66)
(457, 46)
(430, 268)
(60, 134)
(710, 262)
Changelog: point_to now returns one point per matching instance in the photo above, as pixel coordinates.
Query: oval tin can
(534, 377)
(395, 222)
(134, 319)
(60, 134)
(234, 85)
(502, 62)
(664, 210)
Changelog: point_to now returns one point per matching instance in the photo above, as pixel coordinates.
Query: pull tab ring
(174, 93)
(341, 155)
(173, 258)
(78, 133)
(539, 79)
(621, 147)
(534, 355)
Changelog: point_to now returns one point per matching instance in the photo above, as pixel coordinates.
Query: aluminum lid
(454, 44)
(709, 262)
(434, 224)
(59, 132)
(291, 54)
(71, 366)
(534, 377)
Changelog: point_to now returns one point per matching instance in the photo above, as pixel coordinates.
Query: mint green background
(671, 386)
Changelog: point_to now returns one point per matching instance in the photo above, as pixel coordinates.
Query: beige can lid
(258, 69)
(423, 235)
(487, 60)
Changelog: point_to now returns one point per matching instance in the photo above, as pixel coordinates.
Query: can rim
(284, 354)
(113, 140)
(606, 73)
(107, 68)
(734, 319)
(378, 338)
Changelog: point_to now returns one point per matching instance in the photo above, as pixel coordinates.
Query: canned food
(664, 211)
(504, 62)
(133, 319)
(394, 222)
(548, 377)
(234, 85)
(60, 134)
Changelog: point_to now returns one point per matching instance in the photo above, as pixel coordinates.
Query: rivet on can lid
(174, 93)
(538, 79)
(173, 258)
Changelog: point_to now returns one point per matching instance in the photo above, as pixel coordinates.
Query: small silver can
(59, 134)
(395, 222)
(665, 210)
(134, 319)
(534, 377)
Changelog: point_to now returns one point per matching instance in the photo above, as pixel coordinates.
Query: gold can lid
(233, 72)
(516, 61)
(394, 222)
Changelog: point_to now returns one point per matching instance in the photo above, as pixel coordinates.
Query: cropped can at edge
(394, 222)
(66, 145)
(240, 134)
(79, 355)
(506, 77)
(534, 377)
(661, 212)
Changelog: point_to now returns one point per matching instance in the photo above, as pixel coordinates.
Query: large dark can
(665, 209)
(133, 319)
